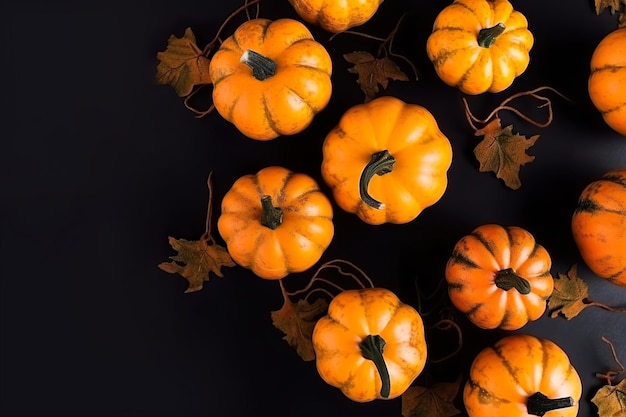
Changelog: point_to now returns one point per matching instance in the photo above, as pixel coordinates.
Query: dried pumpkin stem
(487, 36)
(372, 348)
(262, 67)
(507, 279)
(272, 217)
(380, 164)
(538, 404)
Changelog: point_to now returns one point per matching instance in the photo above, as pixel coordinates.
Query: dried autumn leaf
(569, 295)
(613, 6)
(611, 400)
(182, 65)
(297, 321)
(195, 260)
(503, 152)
(436, 401)
(373, 72)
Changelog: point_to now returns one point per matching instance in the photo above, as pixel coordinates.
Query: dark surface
(99, 165)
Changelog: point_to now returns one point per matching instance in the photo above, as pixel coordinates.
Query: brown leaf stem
(207, 230)
(592, 303)
(447, 324)
(198, 113)
(471, 118)
(207, 49)
(385, 48)
(611, 374)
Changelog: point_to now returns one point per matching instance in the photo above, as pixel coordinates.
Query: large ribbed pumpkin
(522, 376)
(607, 82)
(599, 226)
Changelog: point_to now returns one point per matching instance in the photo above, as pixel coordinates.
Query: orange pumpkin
(270, 78)
(276, 222)
(499, 277)
(336, 15)
(607, 82)
(522, 376)
(480, 45)
(386, 161)
(370, 344)
(599, 226)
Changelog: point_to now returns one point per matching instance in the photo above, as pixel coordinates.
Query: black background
(100, 165)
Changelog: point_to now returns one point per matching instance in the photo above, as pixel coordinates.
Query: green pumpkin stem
(507, 279)
(487, 36)
(272, 216)
(262, 67)
(538, 404)
(380, 164)
(372, 348)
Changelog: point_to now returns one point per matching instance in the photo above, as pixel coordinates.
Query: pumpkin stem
(487, 36)
(262, 67)
(538, 404)
(380, 164)
(272, 217)
(372, 348)
(507, 279)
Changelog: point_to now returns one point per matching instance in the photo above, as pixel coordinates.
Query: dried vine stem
(385, 48)
(505, 106)
(447, 324)
(207, 236)
(363, 282)
(611, 374)
(206, 51)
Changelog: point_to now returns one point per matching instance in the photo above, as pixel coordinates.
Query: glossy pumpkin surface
(386, 161)
(370, 344)
(599, 226)
(270, 78)
(480, 45)
(522, 376)
(336, 15)
(276, 222)
(499, 277)
(607, 82)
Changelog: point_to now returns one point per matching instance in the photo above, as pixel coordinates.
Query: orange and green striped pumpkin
(599, 226)
(520, 376)
(499, 277)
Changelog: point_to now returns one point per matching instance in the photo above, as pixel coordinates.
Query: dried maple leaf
(569, 294)
(182, 65)
(297, 321)
(373, 72)
(613, 6)
(436, 401)
(611, 400)
(503, 152)
(195, 260)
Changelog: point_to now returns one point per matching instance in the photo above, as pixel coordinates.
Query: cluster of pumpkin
(386, 161)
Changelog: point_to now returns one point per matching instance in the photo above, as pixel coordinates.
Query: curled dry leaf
(435, 401)
(571, 296)
(611, 399)
(503, 152)
(182, 65)
(373, 72)
(297, 321)
(614, 6)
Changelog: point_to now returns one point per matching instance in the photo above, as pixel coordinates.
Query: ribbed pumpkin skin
(607, 82)
(336, 15)
(599, 226)
(504, 375)
(286, 102)
(472, 277)
(297, 243)
(461, 62)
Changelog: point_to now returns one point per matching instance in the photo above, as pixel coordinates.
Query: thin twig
(198, 113)
(611, 373)
(207, 230)
(207, 49)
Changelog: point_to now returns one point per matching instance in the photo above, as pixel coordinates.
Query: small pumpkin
(607, 81)
(599, 226)
(499, 277)
(480, 45)
(276, 222)
(336, 15)
(522, 376)
(370, 344)
(386, 161)
(270, 78)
